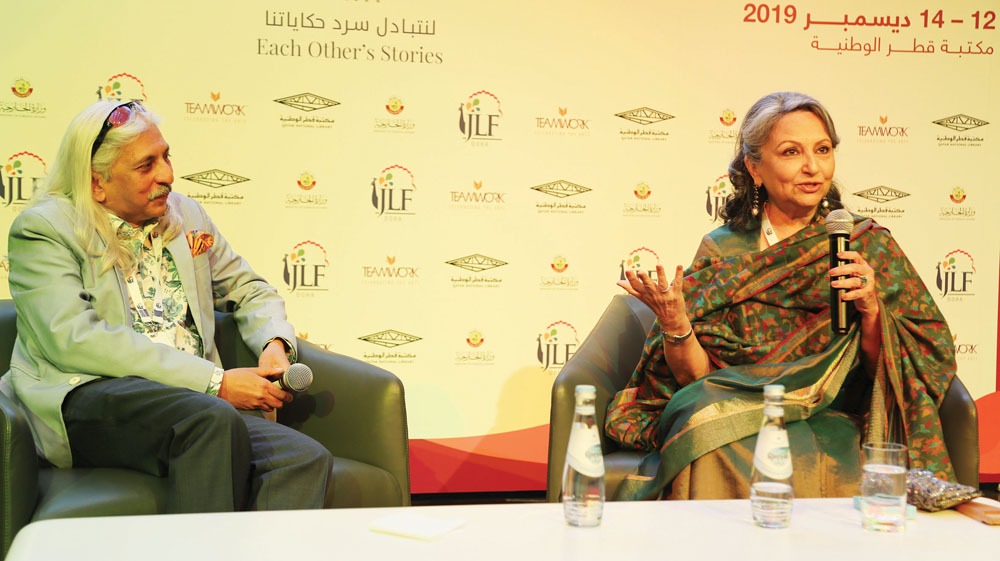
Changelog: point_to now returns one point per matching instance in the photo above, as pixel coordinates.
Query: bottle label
(584, 451)
(771, 456)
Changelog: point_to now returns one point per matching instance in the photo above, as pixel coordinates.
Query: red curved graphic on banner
(510, 461)
(988, 408)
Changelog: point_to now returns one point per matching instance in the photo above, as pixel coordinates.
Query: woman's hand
(860, 283)
(687, 360)
(666, 301)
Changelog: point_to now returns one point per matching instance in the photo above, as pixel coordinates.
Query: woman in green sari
(753, 309)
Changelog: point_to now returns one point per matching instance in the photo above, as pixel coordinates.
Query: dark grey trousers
(216, 458)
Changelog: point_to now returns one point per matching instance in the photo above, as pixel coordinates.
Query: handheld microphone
(296, 378)
(839, 224)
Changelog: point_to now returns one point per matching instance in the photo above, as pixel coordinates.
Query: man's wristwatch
(674, 339)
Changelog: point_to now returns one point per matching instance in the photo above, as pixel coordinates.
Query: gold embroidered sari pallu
(763, 318)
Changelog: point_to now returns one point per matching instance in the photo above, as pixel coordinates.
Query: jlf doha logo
(955, 274)
(640, 259)
(392, 191)
(556, 345)
(18, 178)
(122, 87)
(305, 268)
(479, 117)
(716, 196)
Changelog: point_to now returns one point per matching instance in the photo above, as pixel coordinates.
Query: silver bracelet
(674, 339)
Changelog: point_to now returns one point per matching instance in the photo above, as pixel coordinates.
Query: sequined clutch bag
(929, 493)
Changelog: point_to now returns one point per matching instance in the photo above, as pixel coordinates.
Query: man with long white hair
(115, 280)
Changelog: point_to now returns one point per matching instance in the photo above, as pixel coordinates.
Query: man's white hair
(70, 178)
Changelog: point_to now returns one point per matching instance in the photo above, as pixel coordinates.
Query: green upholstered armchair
(354, 409)
(607, 358)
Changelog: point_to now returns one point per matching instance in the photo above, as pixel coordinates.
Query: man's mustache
(161, 190)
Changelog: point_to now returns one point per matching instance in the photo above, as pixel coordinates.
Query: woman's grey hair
(754, 133)
(69, 178)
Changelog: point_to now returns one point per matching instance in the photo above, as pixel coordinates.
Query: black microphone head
(298, 377)
(839, 222)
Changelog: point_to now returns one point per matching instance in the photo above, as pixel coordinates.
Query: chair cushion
(616, 466)
(357, 484)
(79, 492)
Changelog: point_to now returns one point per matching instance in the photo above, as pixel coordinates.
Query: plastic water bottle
(583, 474)
(771, 477)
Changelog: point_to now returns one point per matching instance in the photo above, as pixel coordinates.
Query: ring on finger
(664, 288)
(864, 281)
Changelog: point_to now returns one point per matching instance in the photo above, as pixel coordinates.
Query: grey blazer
(74, 322)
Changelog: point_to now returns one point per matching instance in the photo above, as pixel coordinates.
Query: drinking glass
(883, 487)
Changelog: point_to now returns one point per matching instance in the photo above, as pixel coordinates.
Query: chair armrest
(356, 410)
(961, 432)
(606, 360)
(18, 472)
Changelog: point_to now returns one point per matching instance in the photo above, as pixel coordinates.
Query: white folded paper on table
(413, 525)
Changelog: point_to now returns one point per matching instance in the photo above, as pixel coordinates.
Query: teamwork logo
(955, 274)
(21, 88)
(716, 196)
(562, 123)
(477, 198)
(19, 177)
(392, 191)
(479, 116)
(390, 271)
(556, 345)
(305, 266)
(964, 350)
(122, 87)
(883, 132)
(215, 109)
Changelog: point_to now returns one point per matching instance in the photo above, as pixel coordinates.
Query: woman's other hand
(666, 301)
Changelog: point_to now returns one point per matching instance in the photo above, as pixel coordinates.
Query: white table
(822, 529)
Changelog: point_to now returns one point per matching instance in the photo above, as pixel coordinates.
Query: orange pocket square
(199, 241)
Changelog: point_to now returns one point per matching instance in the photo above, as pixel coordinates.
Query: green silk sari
(763, 317)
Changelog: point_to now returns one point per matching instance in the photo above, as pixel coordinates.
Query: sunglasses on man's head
(118, 117)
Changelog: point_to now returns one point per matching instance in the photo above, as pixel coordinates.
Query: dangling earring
(755, 203)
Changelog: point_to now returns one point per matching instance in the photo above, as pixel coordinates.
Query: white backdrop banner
(450, 190)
